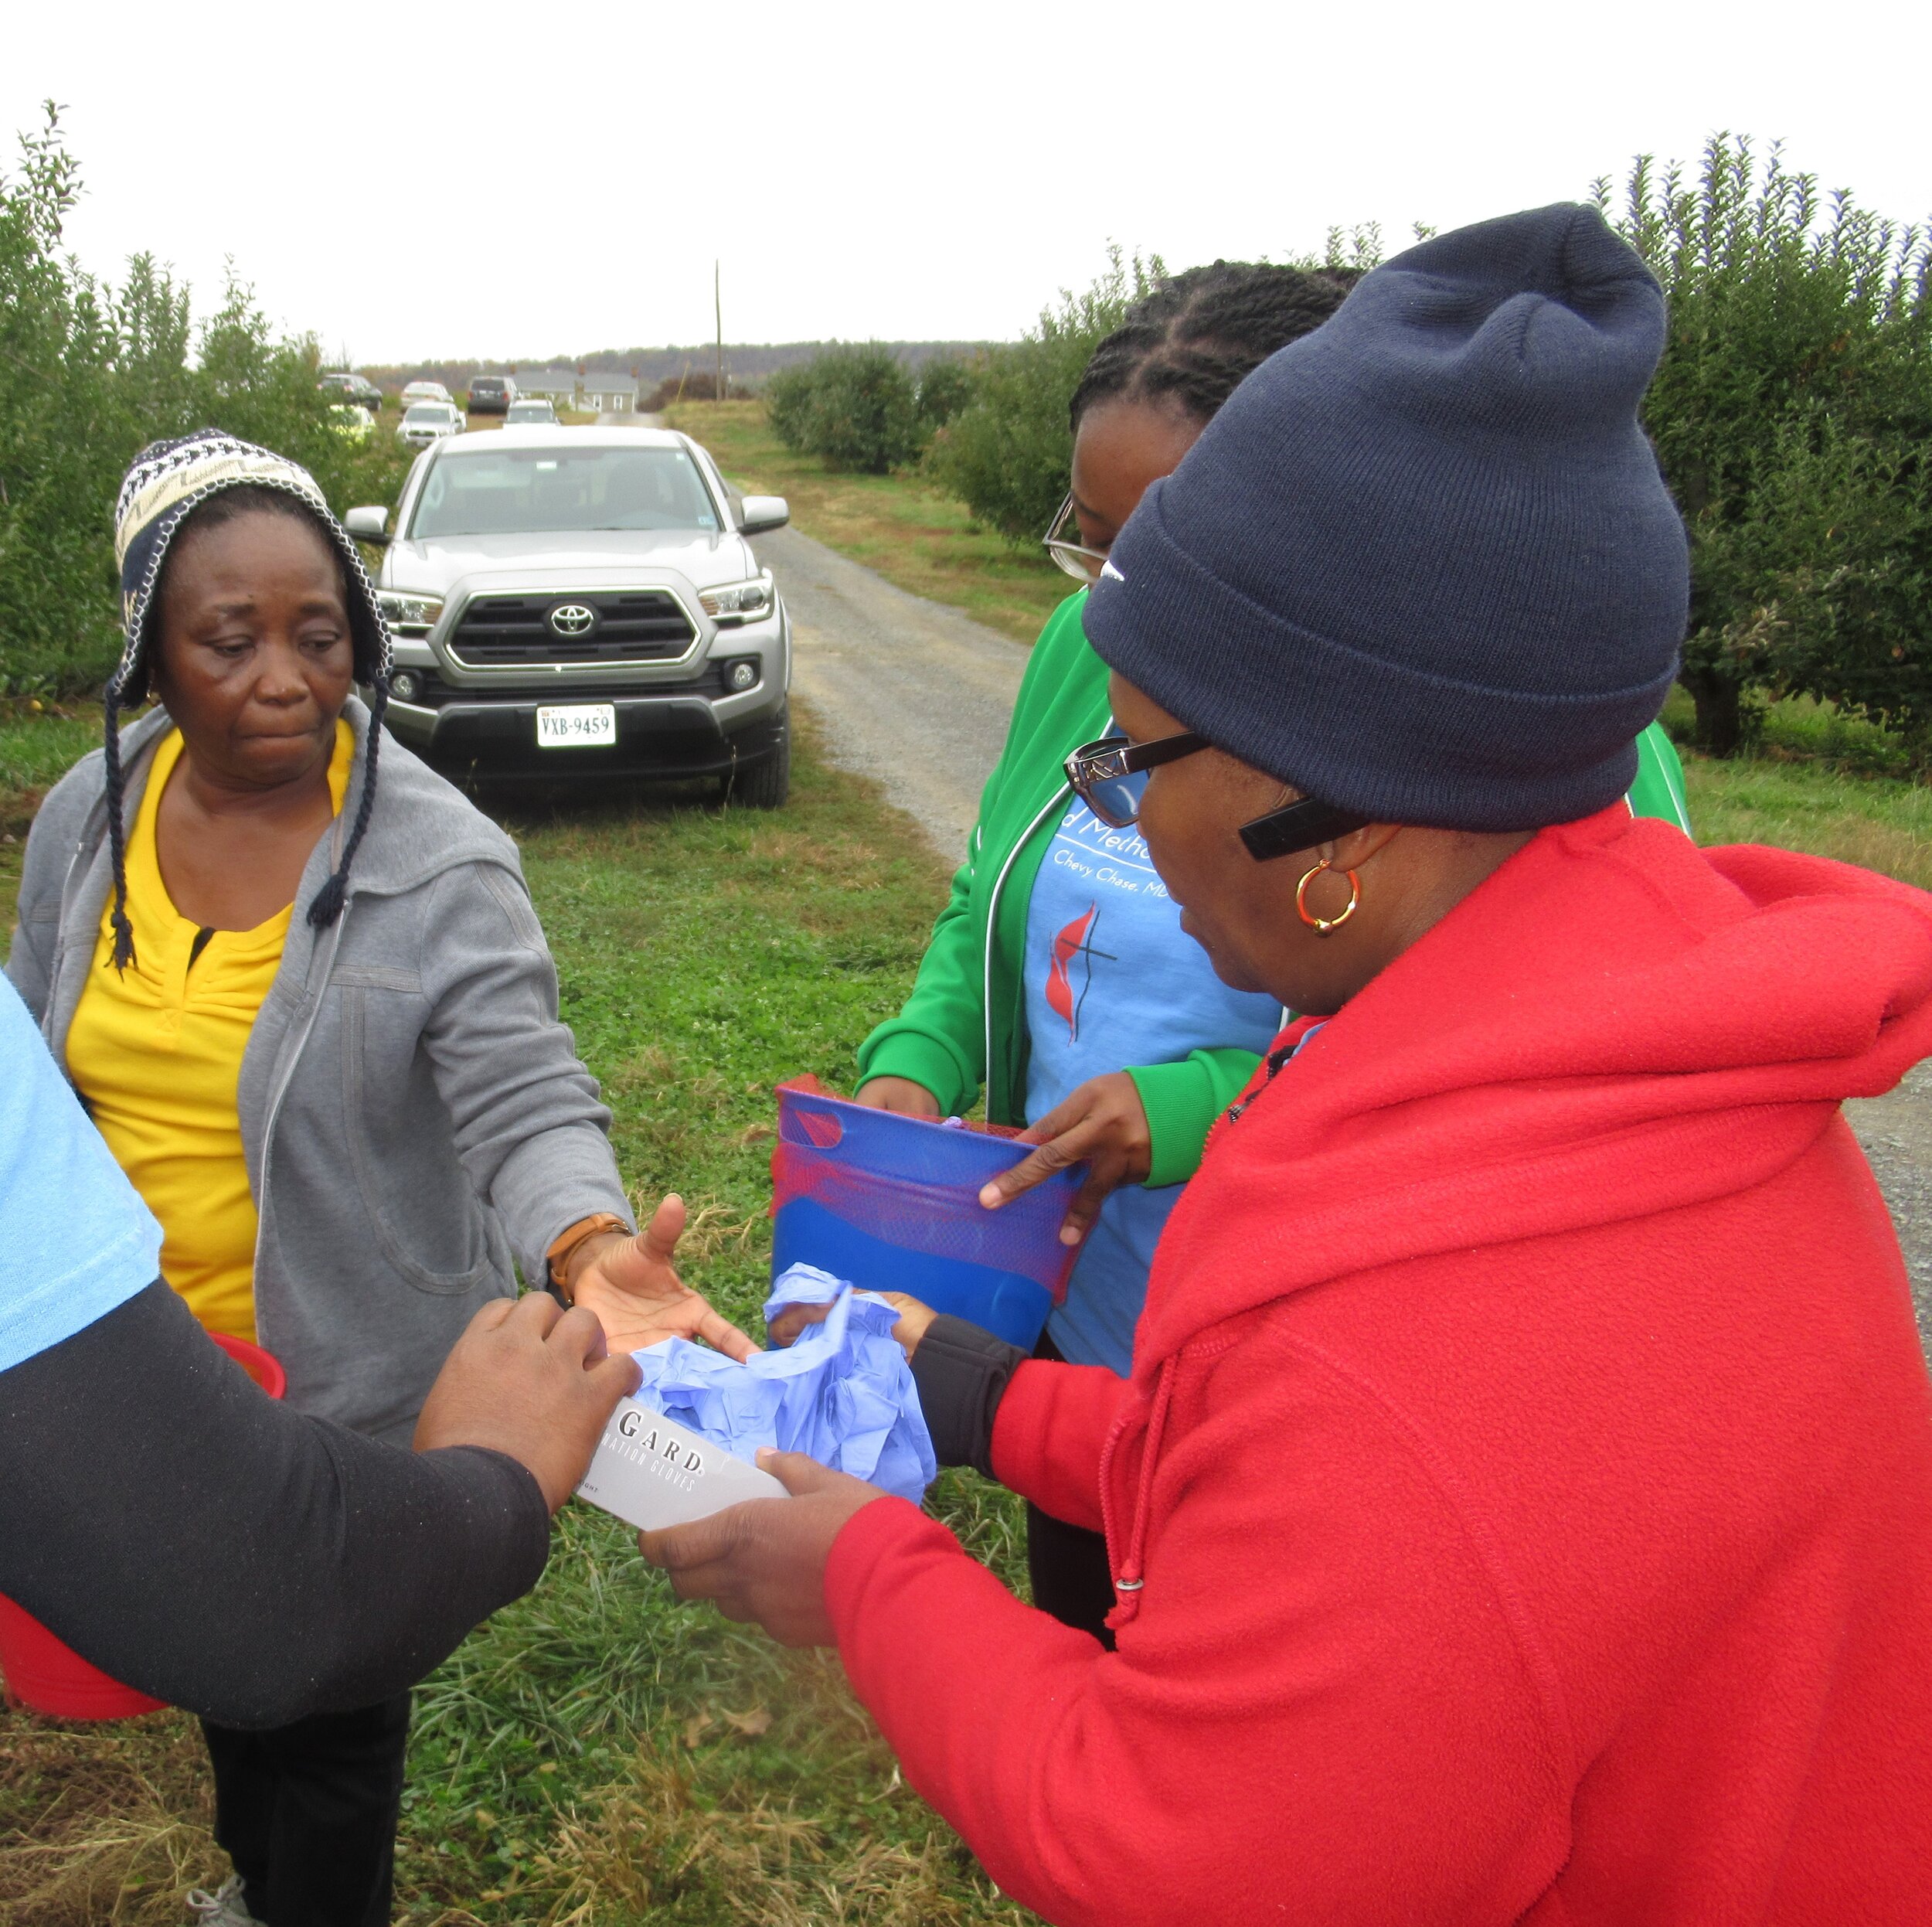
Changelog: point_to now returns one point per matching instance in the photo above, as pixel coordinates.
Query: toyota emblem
(573, 618)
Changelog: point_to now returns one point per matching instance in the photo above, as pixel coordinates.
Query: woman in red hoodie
(1521, 1507)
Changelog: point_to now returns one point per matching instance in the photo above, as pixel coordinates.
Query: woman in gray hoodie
(315, 1018)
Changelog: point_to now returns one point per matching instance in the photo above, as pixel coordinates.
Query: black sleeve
(222, 1552)
(962, 1373)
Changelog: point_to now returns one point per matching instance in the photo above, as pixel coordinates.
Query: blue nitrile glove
(842, 1392)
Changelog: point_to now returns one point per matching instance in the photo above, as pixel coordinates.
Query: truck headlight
(409, 614)
(738, 602)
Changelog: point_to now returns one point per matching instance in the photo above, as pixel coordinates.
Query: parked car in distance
(429, 421)
(355, 389)
(583, 604)
(529, 412)
(427, 391)
(492, 394)
(351, 423)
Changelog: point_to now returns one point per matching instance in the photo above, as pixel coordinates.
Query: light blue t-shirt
(1112, 980)
(76, 1241)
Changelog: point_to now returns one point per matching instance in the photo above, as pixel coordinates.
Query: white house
(609, 394)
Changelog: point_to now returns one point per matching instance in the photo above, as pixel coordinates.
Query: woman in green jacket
(1059, 975)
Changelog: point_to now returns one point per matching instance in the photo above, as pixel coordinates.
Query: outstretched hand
(764, 1562)
(1103, 1123)
(632, 1286)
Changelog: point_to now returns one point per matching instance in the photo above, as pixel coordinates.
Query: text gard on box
(651, 1472)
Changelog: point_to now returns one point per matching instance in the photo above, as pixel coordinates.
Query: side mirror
(758, 513)
(369, 524)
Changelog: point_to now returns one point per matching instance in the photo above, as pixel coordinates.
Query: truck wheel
(765, 784)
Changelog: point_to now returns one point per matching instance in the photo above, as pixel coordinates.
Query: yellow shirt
(156, 1054)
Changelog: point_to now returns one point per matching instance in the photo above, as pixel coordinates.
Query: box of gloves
(651, 1472)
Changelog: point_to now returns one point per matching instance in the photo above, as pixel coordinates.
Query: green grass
(599, 1753)
(1882, 823)
(898, 525)
(39, 743)
(1817, 781)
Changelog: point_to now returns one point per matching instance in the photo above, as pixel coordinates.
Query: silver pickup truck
(583, 602)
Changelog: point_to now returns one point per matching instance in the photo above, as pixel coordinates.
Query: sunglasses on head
(1111, 775)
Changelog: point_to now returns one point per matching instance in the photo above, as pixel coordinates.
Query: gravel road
(917, 695)
(1896, 1132)
(908, 691)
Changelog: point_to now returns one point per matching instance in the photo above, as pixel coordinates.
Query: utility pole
(717, 314)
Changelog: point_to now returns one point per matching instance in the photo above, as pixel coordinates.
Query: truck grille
(632, 625)
(703, 679)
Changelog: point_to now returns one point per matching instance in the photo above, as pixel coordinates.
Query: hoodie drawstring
(1129, 1581)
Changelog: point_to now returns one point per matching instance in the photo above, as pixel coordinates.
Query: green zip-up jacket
(965, 1023)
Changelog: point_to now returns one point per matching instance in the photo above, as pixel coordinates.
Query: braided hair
(1195, 337)
(223, 506)
(326, 905)
(115, 781)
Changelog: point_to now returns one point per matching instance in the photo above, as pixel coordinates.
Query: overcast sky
(410, 179)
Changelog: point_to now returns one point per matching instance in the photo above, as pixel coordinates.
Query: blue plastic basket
(892, 1203)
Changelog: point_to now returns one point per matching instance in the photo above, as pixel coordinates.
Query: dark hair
(224, 507)
(1195, 337)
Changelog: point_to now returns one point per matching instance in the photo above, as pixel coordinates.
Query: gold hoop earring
(1322, 926)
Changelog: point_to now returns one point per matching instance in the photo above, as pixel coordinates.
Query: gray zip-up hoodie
(413, 1112)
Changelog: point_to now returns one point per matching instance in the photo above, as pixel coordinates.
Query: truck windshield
(555, 491)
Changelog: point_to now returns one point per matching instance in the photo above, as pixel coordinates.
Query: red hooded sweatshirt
(1521, 1507)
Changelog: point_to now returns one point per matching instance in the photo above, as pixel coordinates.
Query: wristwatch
(565, 1246)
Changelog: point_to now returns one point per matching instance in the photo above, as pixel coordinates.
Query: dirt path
(907, 691)
(1896, 1132)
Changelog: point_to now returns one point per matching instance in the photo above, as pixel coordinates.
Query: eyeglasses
(1062, 541)
(1109, 777)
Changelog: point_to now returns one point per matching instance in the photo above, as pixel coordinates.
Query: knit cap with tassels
(167, 482)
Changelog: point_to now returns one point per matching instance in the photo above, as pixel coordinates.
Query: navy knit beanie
(1422, 565)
